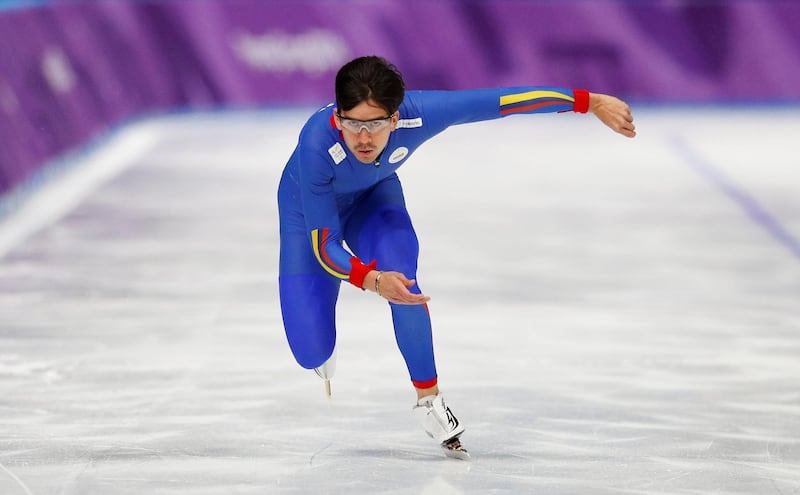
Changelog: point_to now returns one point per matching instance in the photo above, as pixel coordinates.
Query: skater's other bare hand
(613, 112)
(393, 286)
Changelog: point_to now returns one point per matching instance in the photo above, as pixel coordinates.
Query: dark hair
(366, 78)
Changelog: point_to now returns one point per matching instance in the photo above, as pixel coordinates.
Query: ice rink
(611, 316)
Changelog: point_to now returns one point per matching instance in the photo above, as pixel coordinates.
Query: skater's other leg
(381, 229)
(384, 232)
(308, 303)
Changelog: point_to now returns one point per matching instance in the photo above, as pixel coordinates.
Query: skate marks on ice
(639, 336)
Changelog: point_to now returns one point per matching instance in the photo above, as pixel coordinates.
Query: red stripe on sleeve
(528, 108)
(323, 249)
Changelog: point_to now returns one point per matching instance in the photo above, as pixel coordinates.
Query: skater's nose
(364, 136)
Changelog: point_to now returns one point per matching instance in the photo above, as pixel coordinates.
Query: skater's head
(369, 78)
(369, 91)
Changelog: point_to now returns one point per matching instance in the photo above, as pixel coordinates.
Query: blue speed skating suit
(336, 211)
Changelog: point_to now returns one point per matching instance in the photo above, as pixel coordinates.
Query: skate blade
(455, 450)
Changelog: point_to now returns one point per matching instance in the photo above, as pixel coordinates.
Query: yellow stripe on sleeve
(318, 255)
(532, 95)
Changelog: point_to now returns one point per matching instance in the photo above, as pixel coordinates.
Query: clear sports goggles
(355, 125)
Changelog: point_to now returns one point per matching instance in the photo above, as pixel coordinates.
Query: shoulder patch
(409, 123)
(398, 154)
(337, 153)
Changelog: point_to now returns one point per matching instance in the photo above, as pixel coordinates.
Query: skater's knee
(310, 357)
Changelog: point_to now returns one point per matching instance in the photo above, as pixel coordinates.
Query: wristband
(359, 270)
(581, 101)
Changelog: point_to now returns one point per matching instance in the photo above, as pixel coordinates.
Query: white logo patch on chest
(409, 123)
(337, 153)
(398, 154)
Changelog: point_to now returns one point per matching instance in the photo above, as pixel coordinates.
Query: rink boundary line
(61, 186)
(738, 194)
(16, 478)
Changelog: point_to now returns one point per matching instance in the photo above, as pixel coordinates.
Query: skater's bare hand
(393, 286)
(613, 112)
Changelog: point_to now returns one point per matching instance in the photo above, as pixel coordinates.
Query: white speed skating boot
(441, 424)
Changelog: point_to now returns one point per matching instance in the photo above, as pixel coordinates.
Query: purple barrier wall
(69, 70)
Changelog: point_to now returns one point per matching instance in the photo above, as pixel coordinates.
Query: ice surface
(610, 316)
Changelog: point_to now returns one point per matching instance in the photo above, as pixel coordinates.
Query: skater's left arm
(442, 109)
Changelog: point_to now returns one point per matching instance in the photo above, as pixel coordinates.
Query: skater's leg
(308, 302)
(381, 229)
(384, 232)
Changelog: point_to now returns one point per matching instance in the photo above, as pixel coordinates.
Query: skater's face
(366, 129)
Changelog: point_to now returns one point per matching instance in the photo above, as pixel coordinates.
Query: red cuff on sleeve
(359, 270)
(581, 101)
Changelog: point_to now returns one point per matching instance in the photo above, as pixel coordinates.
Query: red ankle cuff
(426, 384)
